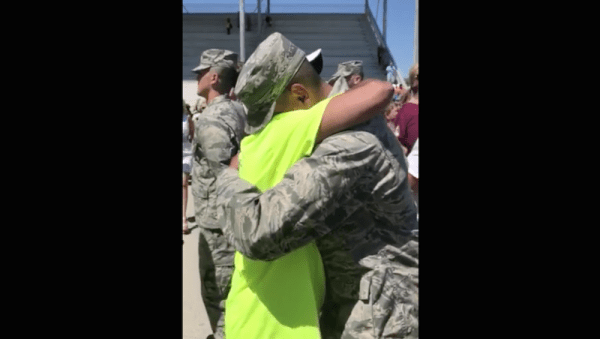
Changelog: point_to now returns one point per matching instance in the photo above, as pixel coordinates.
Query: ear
(214, 78)
(300, 93)
(356, 78)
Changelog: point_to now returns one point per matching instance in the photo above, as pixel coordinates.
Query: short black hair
(227, 78)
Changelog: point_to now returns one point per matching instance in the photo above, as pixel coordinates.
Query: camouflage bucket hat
(217, 58)
(346, 68)
(264, 77)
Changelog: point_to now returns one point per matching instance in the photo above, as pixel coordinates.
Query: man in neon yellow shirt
(288, 112)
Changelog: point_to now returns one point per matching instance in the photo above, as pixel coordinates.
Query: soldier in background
(348, 75)
(351, 196)
(218, 132)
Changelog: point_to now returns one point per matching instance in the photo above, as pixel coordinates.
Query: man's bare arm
(361, 103)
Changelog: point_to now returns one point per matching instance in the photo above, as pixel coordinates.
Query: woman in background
(407, 118)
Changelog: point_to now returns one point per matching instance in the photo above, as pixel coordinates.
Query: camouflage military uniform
(218, 132)
(394, 313)
(352, 196)
(346, 195)
(196, 111)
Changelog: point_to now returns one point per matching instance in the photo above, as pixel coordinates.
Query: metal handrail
(317, 6)
(382, 42)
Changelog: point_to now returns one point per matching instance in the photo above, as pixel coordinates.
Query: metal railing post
(259, 19)
(242, 31)
(384, 19)
(416, 42)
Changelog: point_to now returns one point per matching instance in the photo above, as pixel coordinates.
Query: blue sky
(400, 18)
(400, 30)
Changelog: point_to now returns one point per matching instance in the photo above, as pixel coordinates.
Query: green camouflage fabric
(388, 298)
(352, 196)
(217, 58)
(340, 86)
(338, 79)
(347, 68)
(218, 133)
(264, 77)
(215, 276)
(197, 109)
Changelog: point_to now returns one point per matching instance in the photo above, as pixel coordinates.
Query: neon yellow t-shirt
(277, 299)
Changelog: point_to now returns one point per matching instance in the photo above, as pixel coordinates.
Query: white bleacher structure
(341, 37)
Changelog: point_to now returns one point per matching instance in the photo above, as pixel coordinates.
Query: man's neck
(212, 94)
(326, 89)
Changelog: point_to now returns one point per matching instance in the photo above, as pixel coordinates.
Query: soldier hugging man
(350, 195)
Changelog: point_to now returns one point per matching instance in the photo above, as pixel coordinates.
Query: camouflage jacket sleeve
(217, 142)
(219, 132)
(314, 197)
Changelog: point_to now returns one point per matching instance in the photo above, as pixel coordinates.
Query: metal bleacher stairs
(341, 37)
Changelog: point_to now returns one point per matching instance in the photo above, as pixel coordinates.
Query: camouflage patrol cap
(347, 68)
(264, 77)
(217, 58)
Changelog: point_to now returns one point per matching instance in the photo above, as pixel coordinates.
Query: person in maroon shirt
(407, 118)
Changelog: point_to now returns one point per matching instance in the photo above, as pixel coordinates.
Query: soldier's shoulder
(215, 108)
(225, 106)
(349, 141)
(235, 105)
(235, 112)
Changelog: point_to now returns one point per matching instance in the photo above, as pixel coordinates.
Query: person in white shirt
(413, 170)
(187, 160)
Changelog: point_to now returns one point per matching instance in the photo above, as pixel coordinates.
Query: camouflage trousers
(387, 306)
(216, 267)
